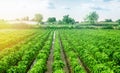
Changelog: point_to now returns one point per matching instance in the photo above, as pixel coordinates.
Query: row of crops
(11, 37)
(64, 51)
(99, 50)
(19, 58)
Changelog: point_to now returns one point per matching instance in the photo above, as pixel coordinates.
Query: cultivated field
(60, 51)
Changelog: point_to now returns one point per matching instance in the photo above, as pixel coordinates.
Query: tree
(118, 21)
(51, 20)
(108, 20)
(92, 17)
(67, 20)
(38, 18)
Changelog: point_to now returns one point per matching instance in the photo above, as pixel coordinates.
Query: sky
(77, 9)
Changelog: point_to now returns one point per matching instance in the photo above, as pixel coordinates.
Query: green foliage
(67, 20)
(58, 64)
(38, 18)
(59, 71)
(92, 17)
(101, 57)
(101, 68)
(118, 21)
(51, 20)
(116, 69)
(116, 56)
(41, 59)
(100, 52)
(108, 20)
(21, 55)
(72, 57)
(39, 67)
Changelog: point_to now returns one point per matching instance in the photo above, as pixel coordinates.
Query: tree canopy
(51, 19)
(108, 20)
(67, 20)
(92, 17)
(38, 18)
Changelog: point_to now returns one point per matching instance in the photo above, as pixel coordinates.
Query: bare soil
(50, 58)
(67, 68)
(80, 61)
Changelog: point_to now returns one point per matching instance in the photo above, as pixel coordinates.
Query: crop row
(9, 38)
(20, 60)
(41, 59)
(97, 51)
(58, 64)
(74, 62)
(18, 46)
(78, 51)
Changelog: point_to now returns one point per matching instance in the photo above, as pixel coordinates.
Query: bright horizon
(78, 9)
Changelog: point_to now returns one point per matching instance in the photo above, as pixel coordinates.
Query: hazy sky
(11, 9)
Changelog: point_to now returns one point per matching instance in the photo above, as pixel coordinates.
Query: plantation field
(60, 51)
(10, 37)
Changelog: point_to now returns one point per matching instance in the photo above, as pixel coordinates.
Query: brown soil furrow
(50, 58)
(64, 58)
(34, 59)
(80, 60)
(82, 63)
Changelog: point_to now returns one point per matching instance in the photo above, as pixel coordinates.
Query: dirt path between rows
(80, 60)
(35, 60)
(64, 59)
(50, 58)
